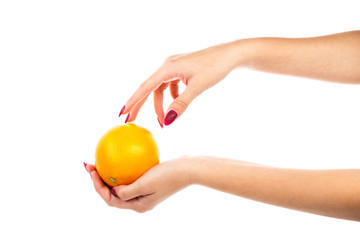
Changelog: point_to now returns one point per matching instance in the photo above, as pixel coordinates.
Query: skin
(333, 193)
(333, 58)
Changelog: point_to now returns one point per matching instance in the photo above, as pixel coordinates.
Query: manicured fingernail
(113, 192)
(85, 164)
(160, 123)
(122, 110)
(127, 118)
(170, 117)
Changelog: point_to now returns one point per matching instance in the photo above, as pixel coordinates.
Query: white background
(67, 68)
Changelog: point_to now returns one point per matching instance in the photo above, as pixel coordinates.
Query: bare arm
(333, 58)
(333, 193)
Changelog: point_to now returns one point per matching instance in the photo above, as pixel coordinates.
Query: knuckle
(171, 58)
(180, 104)
(121, 194)
(160, 90)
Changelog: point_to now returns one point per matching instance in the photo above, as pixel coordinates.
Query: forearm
(333, 58)
(334, 193)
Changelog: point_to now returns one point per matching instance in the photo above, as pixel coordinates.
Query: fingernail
(85, 164)
(113, 192)
(122, 110)
(170, 117)
(127, 118)
(160, 123)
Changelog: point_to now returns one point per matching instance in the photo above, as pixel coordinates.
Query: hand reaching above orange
(318, 57)
(198, 71)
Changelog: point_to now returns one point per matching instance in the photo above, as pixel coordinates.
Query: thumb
(179, 105)
(127, 192)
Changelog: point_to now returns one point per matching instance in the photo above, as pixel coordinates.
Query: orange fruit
(124, 153)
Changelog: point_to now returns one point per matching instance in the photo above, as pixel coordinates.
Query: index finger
(147, 87)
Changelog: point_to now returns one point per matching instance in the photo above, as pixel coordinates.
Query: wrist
(183, 169)
(244, 52)
(198, 168)
(190, 169)
(229, 56)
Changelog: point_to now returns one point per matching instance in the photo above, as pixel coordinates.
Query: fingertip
(131, 116)
(179, 106)
(90, 168)
(170, 117)
(127, 118)
(126, 192)
(113, 192)
(122, 110)
(161, 124)
(85, 166)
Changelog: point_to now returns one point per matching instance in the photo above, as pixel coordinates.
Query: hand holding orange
(125, 153)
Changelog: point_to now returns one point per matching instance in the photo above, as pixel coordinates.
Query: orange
(125, 153)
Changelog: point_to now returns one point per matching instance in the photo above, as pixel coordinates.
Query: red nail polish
(113, 192)
(127, 118)
(160, 123)
(85, 164)
(122, 110)
(170, 117)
